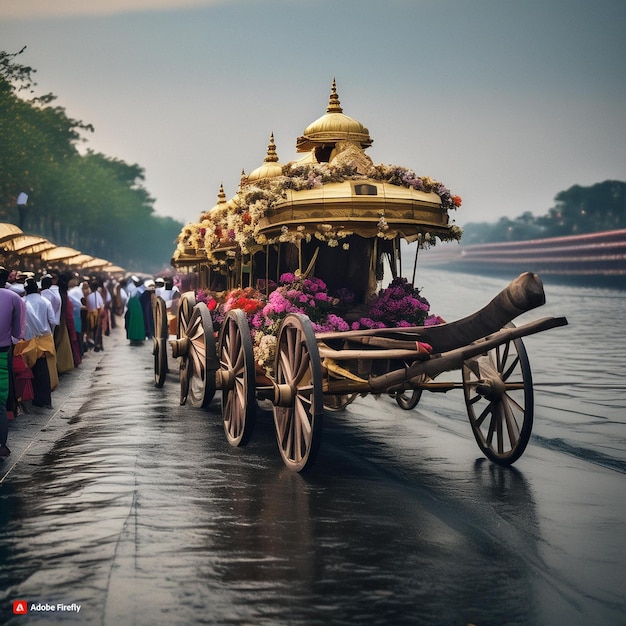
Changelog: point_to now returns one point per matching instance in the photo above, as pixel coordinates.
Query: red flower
(247, 218)
(456, 200)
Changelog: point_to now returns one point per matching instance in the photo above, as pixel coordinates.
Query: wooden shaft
(385, 342)
(453, 359)
(350, 355)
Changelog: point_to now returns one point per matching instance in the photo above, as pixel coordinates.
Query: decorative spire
(221, 196)
(243, 180)
(334, 106)
(271, 157)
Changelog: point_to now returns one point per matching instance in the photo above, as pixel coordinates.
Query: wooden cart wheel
(161, 333)
(237, 376)
(500, 403)
(408, 399)
(185, 311)
(202, 356)
(298, 412)
(338, 402)
(198, 358)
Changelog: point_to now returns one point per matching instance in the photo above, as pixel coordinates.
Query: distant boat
(594, 255)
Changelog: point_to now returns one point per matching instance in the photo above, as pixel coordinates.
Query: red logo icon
(20, 607)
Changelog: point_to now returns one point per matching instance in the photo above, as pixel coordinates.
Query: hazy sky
(507, 102)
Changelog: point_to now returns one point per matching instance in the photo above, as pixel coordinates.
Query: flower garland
(236, 222)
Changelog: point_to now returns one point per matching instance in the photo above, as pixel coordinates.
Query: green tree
(94, 203)
(577, 210)
(587, 209)
(36, 138)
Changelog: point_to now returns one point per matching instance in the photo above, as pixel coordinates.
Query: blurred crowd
(50, 323)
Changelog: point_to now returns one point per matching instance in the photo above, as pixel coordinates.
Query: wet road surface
(137, 509)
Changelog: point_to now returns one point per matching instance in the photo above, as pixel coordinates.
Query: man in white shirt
(50, 292)
(38, 331)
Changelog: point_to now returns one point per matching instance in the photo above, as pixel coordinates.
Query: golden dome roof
(332, 127)
(271, 167)
(366, 207)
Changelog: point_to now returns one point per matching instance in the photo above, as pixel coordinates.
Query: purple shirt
(12, 317)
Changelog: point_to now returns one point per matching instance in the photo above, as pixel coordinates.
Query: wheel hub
(491, 388)
(180, 347)
(284, 395)
(225, 379)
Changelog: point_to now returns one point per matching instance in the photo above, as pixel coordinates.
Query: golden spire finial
(271, 157)
(221, 196)
(334, 106)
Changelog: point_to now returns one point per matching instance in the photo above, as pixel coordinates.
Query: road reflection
(148, 516)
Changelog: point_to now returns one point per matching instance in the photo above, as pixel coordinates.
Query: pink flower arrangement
(295, 294)
(400, 305)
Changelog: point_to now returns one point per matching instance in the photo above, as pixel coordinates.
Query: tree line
(577, 210)
(89, 201)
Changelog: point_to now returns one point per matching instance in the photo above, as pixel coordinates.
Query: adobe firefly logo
(20, 607)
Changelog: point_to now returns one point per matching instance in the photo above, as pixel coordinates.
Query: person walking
(146, 307)
(65, 341)
(77, 297)
(37, 348)
(12, 317)
(95, 308)
(134, 318)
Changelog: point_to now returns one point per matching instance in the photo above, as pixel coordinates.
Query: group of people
(136, 294)
(46, 328)
(48, 325)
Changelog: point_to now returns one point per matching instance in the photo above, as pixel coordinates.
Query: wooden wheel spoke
(198, 360)
(286, 366)
(282, 424)
(241, 392)
(288, 436)
(303, 368)
(198, 347)
(196, 334)
(511, 425)
(290, 335)
(493, 425)
(227, 409)
(510, 369)
(303, 416)
(512, 401)
(486, 412)
(225, 361)
(475, 399)
(239, 364)
(502, 356)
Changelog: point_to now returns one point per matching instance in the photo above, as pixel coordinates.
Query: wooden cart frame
(334, 195)
(485, 346)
